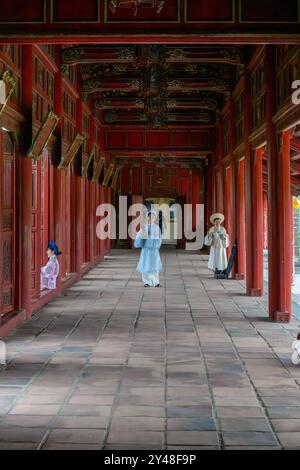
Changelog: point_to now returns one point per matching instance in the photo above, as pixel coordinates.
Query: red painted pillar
(25, 200)
(258, 225)
(248, 185)
(273, 226)
(283, 311)
(279, 206)
(59, 227)
(92, 208)
(241, 219)
(233, 175)
(207, 196)
(220, 183)
(265, 221)
(102, 201)
(227, 194)
(213, 181)
(102, 189)
(80, 203)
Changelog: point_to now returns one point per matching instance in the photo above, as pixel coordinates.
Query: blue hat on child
(54, 247)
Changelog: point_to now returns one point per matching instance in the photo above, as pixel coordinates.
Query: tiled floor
(114, 365)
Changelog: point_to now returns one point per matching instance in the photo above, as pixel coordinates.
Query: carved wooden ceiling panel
(156, 85)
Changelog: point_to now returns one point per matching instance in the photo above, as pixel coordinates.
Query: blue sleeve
(139, 242)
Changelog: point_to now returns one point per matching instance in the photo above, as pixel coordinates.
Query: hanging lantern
(296, 203)
(136, 5)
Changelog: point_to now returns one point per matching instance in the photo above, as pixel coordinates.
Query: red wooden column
(248, 185)
(258, 224)
(208, 195)
(102, 201)
(233, 184)
(213, 181)
(25, 195)
(284, 246)
(79, 197)
(227, 205)
(286, 236)
(108, 191)
(220, 183)
(59, 220)
(92, 208)
(279, 207)
(273, 227)
(101, 188)
(240, 214)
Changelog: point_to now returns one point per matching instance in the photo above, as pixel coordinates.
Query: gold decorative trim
(106, 20)
(85, 167)
(11, 82)
(232, 21)
(108, 174)
(41, 141)
(97, 169)
(71, 152)
(78, 21)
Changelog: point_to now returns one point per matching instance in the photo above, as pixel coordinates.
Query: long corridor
(113, 365)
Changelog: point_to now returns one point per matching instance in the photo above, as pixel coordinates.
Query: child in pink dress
(50, 272)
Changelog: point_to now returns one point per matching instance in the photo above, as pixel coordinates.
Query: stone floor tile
(245, 438)
(136, 438)
(76, 436)
(197, 438)
(112, 365)
(286, 425)
(137, 423)
(39, 410)
(289, 439)
(21, 434)
(244, 424)
(80, 422)
(239, 412)
(85, 410)
(191, 424)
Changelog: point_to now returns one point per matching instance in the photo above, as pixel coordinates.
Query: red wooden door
(44, 213)
(35, 285)
(68, 241)
(87, 238)
(40, 219)
(8, 218)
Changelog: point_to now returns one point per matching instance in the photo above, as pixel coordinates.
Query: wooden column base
(281, 317)
(239, 277)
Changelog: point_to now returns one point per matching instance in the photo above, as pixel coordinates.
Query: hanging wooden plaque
(71, 152)
(9, 85)
(43, 136)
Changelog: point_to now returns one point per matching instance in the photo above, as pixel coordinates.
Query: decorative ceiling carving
(136, 5)
(156, 85)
